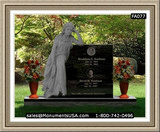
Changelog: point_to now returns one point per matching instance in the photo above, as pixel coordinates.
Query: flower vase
(33, 88)
(124, 88)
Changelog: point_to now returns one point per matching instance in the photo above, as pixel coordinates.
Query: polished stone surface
(88, 74)
(67, 101)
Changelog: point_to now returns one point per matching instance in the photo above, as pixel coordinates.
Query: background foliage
(34, 38)
(34, 34)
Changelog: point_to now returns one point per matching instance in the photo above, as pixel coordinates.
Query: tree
(34, 34)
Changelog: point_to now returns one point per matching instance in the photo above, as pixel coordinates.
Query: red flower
(124, 66)
(34, 66)
(117, 69)
(35, 76)
(36, 62)
(25, 67)
(32, 61)
(127, 62)
(27, 70)
(126, 76)
(120, 62)
(123, 61)
(29, 62)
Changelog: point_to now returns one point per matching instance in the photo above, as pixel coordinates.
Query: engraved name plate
(89, 71)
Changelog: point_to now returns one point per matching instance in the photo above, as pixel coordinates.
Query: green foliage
(37, 32)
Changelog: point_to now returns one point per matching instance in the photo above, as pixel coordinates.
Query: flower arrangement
(123, 71)
(33, 71)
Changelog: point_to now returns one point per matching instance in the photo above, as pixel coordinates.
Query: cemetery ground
(136, 88)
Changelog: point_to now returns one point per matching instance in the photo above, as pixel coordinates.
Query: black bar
(79, 115)
(138, 15)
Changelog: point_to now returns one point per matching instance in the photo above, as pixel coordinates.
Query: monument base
(65, 101)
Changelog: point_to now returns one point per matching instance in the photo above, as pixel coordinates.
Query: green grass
(135, 89)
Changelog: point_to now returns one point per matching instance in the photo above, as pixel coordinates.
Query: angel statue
(54, 81)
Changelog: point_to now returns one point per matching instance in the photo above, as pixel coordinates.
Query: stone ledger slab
(65, 101)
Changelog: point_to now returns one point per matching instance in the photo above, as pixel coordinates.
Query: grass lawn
(135, 88)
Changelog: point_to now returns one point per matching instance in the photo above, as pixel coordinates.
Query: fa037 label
(138, 15)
